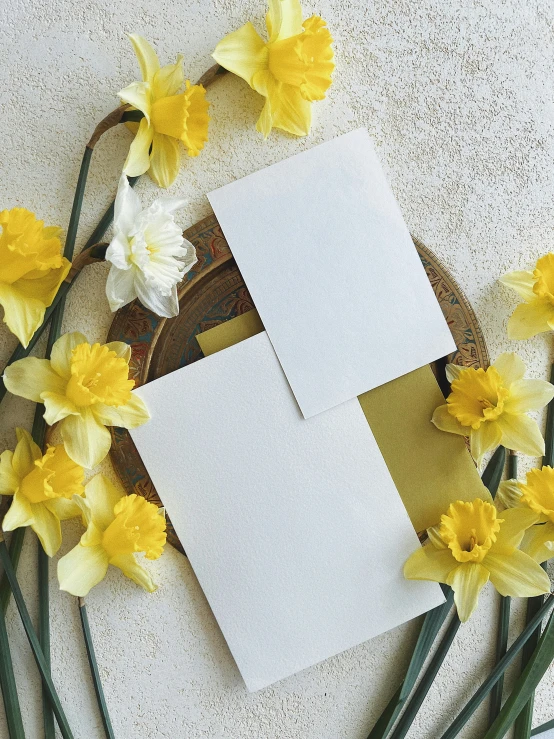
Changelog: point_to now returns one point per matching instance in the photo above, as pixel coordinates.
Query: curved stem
(102, 705)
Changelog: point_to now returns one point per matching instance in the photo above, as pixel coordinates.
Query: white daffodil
(148, 253)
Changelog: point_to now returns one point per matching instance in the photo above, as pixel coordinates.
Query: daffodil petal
(509, 493)
(162, 305)
(9, 481)
(121, 348)
(529, 395)
(484, 439)
(538, 542)
(131, 569)
(20, 513)
(86, 441)
(46, 526)
(522, 282)
(283, 19)
(102, 497)
(467, 581)
(165, 160)
(169, 79)
(510, 367)
(60, 357)
(243, 53)
(57, 407)
(445, 421)
(453, 371)
(127, 207)
(147, 57)
(521, 434)
(120, 287)
(30, 377)
(63, 508)
(128, 416)
(82, 568)
(26, 453)
(428, 563)
(517, 575)
(435, 537)
(512, 529)
(138, 94)
(285, 107)
(138, 158)
(530, 319)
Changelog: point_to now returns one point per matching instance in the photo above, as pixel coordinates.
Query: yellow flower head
(472, 546)
(42, 487)
(490, 407)
(31, 270)
(85, 388)
(170, 116)
(291, 70)
(118, 526)
(536, 494)
(536, 314)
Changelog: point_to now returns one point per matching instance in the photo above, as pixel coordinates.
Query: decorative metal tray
(213, 292)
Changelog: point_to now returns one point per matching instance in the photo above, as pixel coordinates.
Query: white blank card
(329, 262)
(294, 528)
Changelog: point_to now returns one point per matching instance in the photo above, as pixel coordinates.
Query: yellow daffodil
(117, 526)
(291, 70)
(490, 407)
(536, 494)
(536, 314)
(471, 546)
(31, 270)
(42, 487)
(170, 116)
(85, 388)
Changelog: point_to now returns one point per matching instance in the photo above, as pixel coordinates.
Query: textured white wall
(458, 96)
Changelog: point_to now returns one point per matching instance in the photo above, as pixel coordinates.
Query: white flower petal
(127, 207)
(120, 287)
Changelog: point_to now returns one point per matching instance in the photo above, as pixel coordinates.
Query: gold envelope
(430, 468)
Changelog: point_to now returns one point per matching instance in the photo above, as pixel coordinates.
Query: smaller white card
(332, 269)
(294, 528)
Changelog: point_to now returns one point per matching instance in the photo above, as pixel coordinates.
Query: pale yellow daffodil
(291, 70)
(170, 116)
(85, 388)
(536, 494)
(118, 526)
(536, 314)
(43, 489)
(31, 270)
(471, 546)
(490, 407)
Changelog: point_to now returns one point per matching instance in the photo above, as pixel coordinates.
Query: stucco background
(458, 96)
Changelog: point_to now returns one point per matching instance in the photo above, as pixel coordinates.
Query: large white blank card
(293, 527)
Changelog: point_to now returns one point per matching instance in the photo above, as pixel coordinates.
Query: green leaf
(501, 648)
(8, 686)
(102, 705)
(526, 683)
(34, 642)
(485, 688)
(494, 470)
(543, 728)
(432, 623)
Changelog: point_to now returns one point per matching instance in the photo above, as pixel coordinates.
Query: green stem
(501, 647)
(95, 672)
(8, 686)
(34, 642)
(16, 545)
(485, 688)
(543, 728)
(44, 637)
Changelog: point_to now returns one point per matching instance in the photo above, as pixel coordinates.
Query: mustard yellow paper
(430, 468)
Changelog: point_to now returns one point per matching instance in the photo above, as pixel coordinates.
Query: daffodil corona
(43, 488)
(536, 314)
(490, 407)
(536, 494)
(471, 546)
(31, 270)
(291, 70)
(85, 388)
(118, 526)
(170, 116)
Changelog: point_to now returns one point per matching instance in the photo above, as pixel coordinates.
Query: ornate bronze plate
(213, 292)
